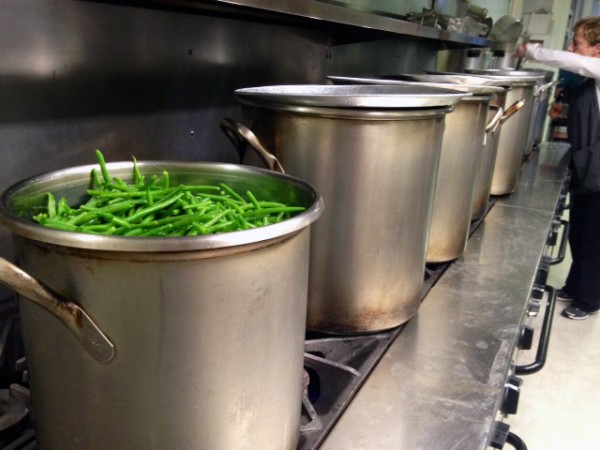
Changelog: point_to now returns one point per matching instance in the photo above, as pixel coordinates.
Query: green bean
(155, 207)
(137, 176)
(119, 185)
(114, 219)
(63, 207)
(149, 197)
(94, 179)
(60, 225)
(232, 192)
(266, 211)
(103, 168)
(51, 205)
(158, 231)
(253, 200)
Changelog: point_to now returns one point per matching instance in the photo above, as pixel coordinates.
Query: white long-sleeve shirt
(586, 66)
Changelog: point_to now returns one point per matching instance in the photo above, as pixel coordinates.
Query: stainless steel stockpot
(483, 185)
(540, 113)
(539, 102)
(514, 135)
(461, 154)
(163, 343)
(373, 154)
(462, 151)
(460, 162)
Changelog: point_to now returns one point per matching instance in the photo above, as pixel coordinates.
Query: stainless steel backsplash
(153, 82)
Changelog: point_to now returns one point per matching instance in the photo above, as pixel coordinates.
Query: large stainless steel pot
(373, 154)
(542, 95)
(169, 343)
(461, 153)
(514, 134)
(498, 109)
(483, 185)
(539, 107)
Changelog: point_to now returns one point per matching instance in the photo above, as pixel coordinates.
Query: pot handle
(493, 124)
(93, 340)
(544, 87)
(516, 106)
(241, 136)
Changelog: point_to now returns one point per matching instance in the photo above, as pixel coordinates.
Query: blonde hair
(590, 29)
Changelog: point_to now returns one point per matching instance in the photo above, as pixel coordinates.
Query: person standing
(568, 82)
(582, 286)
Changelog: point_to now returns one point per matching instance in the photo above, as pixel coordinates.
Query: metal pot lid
(455, 78)
(352, 96)
(508, 74)
(474, 89)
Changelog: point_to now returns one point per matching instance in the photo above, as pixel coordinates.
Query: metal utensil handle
(542, 350)
(539, 91)
(93, 340)
(493, 124)
(517, 442)
(512, 109)
(241, 136)
(562, 248)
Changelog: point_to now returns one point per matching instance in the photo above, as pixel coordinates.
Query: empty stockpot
(513, 138)
(461, 154)
(373, 153)
(483, 185)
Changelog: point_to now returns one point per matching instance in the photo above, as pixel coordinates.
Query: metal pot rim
(352, 96)
(513, 76)
(470, 89)
(31, 230)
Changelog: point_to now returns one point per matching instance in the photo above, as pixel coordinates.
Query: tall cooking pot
(539, 107)
(498, 105)
(163, 343)
(461, 153)
(483, 185)
(373, 154)
(513, 137)
(542, 94)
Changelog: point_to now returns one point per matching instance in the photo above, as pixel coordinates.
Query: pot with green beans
(163, 303)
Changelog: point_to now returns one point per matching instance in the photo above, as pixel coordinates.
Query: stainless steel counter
(439, 384)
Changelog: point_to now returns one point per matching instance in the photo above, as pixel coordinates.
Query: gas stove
(335, 368)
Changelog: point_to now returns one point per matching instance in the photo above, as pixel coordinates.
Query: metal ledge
(320, 10)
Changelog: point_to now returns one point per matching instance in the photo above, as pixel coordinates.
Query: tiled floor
(559, 407)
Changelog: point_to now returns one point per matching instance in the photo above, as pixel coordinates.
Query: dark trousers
(583, 281)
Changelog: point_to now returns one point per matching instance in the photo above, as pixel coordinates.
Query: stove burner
(335, 368)
(12, 410)
(15, 430)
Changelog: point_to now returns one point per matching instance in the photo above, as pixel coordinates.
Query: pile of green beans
(153, 207)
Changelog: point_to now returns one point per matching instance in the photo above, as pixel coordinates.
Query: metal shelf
(323, 11)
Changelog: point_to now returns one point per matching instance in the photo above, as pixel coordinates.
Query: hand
(521, 50)
(555, 110)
